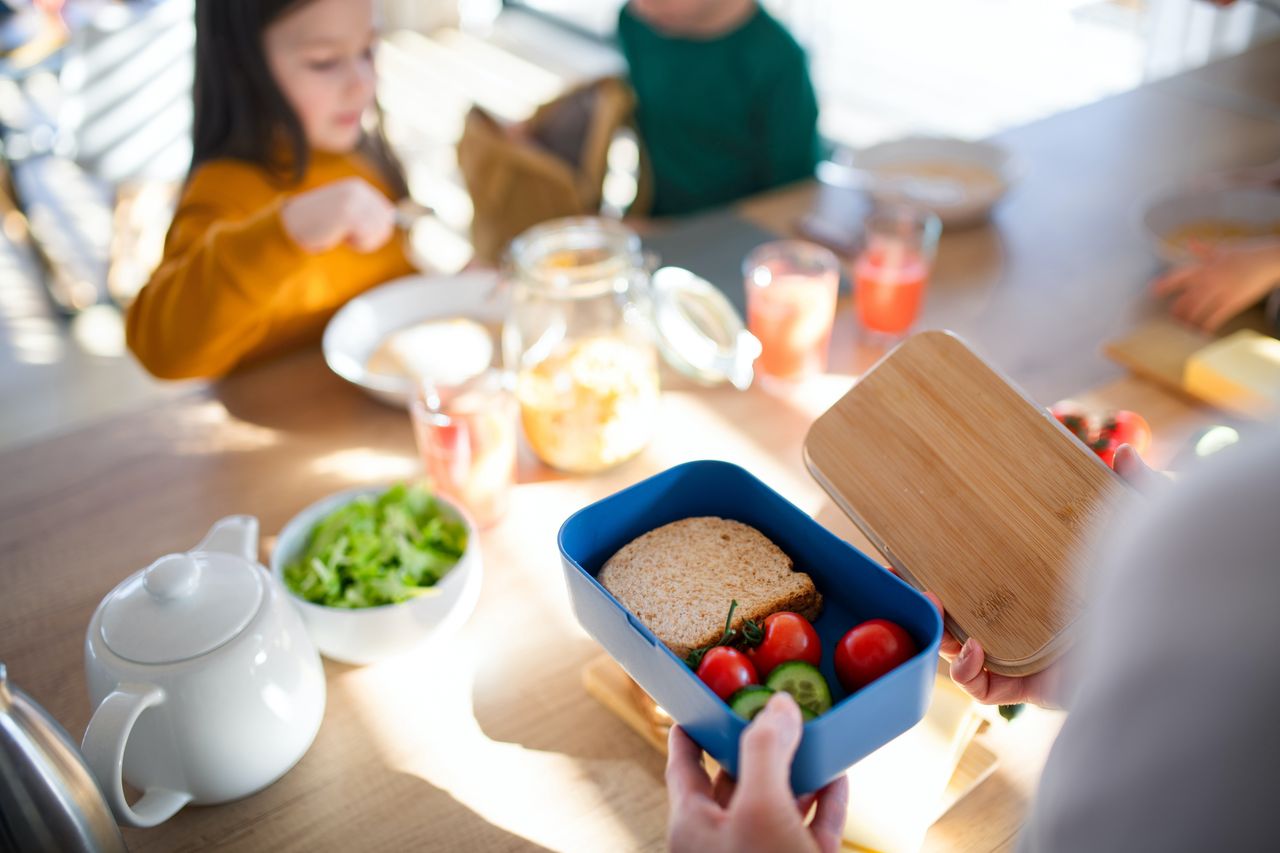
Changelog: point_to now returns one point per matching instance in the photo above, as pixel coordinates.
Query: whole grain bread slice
(679, 580)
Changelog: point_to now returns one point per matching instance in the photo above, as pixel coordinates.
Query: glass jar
(578, 339)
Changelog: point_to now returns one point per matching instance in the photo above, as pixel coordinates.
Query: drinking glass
(892, 268)
(791, 304)
(467, 437)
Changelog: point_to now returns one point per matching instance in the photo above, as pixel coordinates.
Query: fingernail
(966, 651)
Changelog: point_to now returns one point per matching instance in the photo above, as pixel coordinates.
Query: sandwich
(679, 580)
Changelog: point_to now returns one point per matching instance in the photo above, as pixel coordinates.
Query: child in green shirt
(724, 102)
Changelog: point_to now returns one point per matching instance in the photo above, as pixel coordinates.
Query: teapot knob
(172, 576)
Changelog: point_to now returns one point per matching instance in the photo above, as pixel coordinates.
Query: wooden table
(491, 743)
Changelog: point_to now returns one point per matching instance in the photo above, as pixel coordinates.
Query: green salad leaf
(377, 550)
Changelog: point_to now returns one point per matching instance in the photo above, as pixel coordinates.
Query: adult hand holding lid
(971, 491)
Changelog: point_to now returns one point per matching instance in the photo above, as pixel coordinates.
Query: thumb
(1135, 472)
(768, 746)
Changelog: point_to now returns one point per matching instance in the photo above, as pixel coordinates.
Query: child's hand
(349, 211)
(1222, 282)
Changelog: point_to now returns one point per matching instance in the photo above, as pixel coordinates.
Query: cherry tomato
(1106, 448)
(1126, 427)
(787, 636)
(726, 671)
(1075, 418)
(870, 650)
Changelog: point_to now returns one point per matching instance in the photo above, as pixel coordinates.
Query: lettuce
(378, 550)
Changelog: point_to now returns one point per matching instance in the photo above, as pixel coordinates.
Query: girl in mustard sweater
(288, 210)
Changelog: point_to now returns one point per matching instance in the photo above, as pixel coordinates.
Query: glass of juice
(467, 437)
(891, 270)
(791, 303)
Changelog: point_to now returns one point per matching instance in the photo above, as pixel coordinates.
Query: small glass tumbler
(791, 304)
(467, 436)
(892, 269)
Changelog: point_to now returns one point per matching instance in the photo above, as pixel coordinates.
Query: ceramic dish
(360, 326)
(975, 175)
(854, 589)
(1186, 212)
(370, 634)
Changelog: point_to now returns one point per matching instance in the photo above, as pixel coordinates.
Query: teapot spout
(235, 534)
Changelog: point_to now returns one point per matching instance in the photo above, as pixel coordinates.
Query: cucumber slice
(806, 714)
(749, 701)
(805, 684)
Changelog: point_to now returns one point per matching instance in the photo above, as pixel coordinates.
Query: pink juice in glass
(889, 289)
(791, 316)
(468, 448)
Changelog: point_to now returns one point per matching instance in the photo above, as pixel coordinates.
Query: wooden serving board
(1159, 349)
(605, 680)
(971, 490)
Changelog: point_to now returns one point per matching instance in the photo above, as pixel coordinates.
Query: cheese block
(1240, 373)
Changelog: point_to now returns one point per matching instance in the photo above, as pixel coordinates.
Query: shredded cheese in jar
(591, 405)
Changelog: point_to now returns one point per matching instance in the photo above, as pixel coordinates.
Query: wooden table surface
(491, 742)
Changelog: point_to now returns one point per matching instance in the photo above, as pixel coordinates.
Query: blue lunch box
(854, 588)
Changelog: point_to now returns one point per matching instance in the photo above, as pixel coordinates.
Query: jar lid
(699, 332)
(181, 606)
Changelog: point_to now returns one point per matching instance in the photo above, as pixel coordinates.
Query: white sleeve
(1173, 741)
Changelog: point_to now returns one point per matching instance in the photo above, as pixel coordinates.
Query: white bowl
(369, 634)
(362, 324)
(1169, 211)
(937, 155)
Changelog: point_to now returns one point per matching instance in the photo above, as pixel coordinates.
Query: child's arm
(202, 310)
(209, 302)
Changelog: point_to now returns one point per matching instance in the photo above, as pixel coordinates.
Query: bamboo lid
(971, 491)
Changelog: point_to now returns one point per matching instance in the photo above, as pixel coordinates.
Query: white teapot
(205, 683)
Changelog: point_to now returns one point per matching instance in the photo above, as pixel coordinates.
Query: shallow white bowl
(363, 323)
(972, 206)
(370, 634)
(1174, 209)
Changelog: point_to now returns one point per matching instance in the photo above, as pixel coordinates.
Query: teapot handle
(103, 749)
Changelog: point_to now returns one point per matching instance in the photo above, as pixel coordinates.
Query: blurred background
(95, 117)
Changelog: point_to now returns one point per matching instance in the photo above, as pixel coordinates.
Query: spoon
(410, 212)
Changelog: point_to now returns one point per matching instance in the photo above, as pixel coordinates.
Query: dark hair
(240, 111)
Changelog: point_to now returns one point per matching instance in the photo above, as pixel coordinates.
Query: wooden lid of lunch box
(971, 491)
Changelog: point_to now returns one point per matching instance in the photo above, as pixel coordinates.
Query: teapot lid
(181, 606)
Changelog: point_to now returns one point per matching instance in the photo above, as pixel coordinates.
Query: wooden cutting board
(605, 680)
(970, 490)
(1158, 349)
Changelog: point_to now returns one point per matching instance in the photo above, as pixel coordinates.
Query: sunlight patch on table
(425, 726)
(366, 465)
(208, 429)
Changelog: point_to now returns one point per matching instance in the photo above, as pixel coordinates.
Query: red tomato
(787, 636)
(870, 650)
(1106, 448)
(1075, 418)
(726, 671)
(1125, 427)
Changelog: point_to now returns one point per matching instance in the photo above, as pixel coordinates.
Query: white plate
(1174, 209)
(363, 323)
(973, 204)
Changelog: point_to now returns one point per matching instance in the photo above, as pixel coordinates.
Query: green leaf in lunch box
(378, 550)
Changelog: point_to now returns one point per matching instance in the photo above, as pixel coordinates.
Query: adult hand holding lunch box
(906, 453)
(1152, 757)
